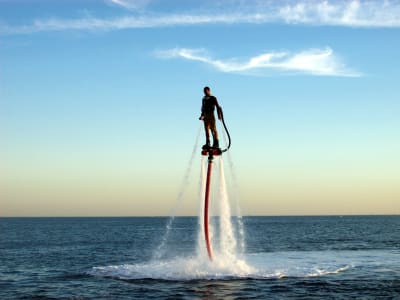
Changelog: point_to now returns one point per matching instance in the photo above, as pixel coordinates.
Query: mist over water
(227, 236)
(224, 231)
(227, 261)
(223, 237)
(180, 257)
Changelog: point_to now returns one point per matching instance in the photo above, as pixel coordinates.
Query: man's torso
(209, 103)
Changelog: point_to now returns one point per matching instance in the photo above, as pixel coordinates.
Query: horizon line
(191, 216)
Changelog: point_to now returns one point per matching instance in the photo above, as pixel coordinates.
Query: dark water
(114, 258)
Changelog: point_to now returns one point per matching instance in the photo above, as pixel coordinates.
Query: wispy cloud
(353, 13)
(126, 22)
(129, 4)
(318, 62)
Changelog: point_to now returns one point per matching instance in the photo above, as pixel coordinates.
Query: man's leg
(214, 133)
(207, 130)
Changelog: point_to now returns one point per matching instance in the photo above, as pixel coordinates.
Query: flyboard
(211, 152)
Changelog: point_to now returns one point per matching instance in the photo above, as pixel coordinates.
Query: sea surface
(335, 257)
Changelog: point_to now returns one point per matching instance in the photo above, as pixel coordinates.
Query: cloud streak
(129, 4)
(318, 62)
(321, 13)
(127, 22)
(353, 13)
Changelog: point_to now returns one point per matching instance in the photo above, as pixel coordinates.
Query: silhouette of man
(207, 115)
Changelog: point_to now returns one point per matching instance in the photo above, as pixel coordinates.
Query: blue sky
(99, 103)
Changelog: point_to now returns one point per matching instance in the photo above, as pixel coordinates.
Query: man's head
(207, 91)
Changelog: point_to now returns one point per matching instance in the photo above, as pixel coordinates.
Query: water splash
(265, 265)
(160, 250)
(227, 236)
(201, 247)
(236, 200)
(224, 240)
(228, 261)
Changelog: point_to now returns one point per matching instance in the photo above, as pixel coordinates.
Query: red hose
(206, 200)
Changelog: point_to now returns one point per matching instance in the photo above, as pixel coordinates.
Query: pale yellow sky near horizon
(266, 188)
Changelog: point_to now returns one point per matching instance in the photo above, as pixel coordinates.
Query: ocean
(326, 257)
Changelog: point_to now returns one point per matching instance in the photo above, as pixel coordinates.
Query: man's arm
(202, 110)
(219, 109)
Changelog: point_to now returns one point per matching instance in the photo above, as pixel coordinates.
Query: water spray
(211, 152)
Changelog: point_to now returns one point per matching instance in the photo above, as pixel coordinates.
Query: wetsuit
(207, 112)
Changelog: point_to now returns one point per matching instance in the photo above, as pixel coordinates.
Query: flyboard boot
(207, 145)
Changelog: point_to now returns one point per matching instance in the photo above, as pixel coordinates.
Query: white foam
(189, 268)
(258, 266)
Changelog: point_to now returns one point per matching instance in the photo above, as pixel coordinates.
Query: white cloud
(319, 62)
(126, 22)
(353, 13)
(130, 4)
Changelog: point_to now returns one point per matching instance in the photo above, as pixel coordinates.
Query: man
(207, 115)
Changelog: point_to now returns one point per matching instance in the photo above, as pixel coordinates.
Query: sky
(99, 105)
